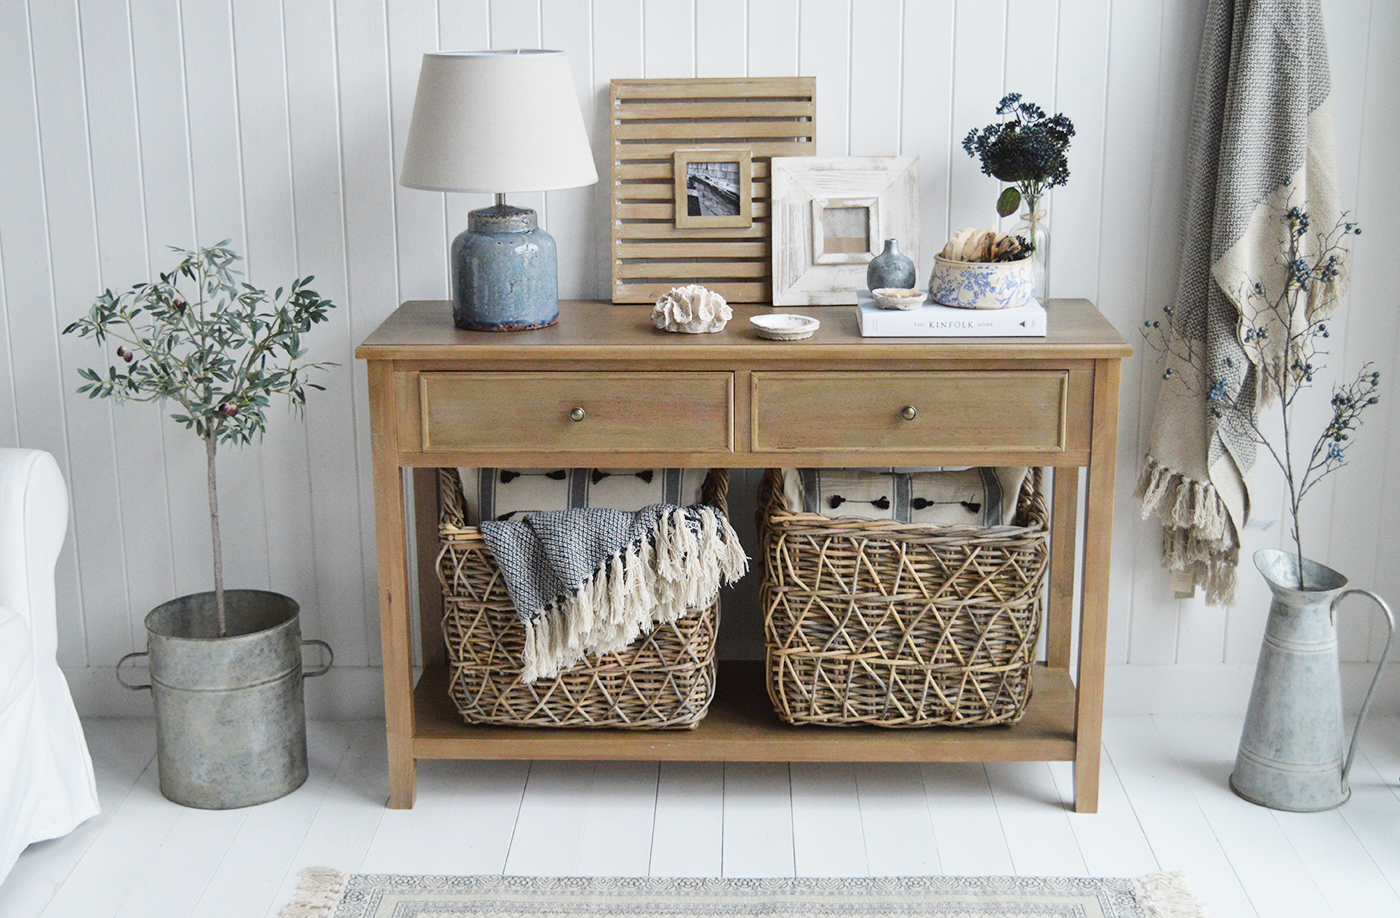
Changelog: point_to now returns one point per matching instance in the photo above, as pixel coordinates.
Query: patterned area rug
(330, 894)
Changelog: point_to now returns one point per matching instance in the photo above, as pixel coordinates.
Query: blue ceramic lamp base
(505, 272)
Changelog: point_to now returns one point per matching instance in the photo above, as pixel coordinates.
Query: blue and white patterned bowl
(982, 285)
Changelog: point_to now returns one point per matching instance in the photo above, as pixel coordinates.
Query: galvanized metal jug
(230, 715)
(1290, 754)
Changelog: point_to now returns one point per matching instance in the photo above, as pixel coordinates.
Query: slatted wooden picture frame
(652, 121)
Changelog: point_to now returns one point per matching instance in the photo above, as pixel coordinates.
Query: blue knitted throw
(591, 581)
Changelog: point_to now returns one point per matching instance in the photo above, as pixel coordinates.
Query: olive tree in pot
(226, 668)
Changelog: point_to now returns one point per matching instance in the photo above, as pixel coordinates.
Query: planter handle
(324, 669)
(1380, 667)
(125, 684)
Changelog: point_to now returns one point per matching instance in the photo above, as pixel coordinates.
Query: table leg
(1064, 533)
(425, 515)
(1093, 620)
(389, 523)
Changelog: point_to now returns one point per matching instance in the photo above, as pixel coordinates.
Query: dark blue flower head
(1029, 148)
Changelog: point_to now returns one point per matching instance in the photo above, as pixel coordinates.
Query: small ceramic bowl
(981, 285)
(784, 326)
(898, 297)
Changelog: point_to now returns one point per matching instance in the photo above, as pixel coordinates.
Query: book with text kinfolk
(934, 321)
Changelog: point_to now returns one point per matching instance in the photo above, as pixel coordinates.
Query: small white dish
(784, 326)
(899, 297)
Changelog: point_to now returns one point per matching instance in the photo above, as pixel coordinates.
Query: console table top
(593, 329)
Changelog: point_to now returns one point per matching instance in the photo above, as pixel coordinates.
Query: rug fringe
(1168, 895)
(317, 894)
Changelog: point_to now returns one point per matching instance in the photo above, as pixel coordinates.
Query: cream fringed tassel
(1168, 895)
(1198, 537)
(655, 582)
(318, 893)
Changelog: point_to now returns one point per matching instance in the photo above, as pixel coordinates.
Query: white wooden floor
(1164, 806)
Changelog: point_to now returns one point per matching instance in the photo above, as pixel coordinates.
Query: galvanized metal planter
(1290, 754)
(230, 715)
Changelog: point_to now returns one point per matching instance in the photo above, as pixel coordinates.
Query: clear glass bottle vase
(1035, 229)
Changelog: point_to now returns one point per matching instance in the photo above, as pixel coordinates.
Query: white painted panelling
(669, 38)
(269, 214)
(876, 56)
(720, 49)
(1364, 529)
(1128, 153)
(772, 37)
(824, 52)
(280, 125)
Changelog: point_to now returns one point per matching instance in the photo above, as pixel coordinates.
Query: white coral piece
(692, 309)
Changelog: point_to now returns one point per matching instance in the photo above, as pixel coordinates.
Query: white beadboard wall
(130, 125)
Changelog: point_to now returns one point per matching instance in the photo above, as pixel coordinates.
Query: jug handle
(125, 684)
(1375, 680)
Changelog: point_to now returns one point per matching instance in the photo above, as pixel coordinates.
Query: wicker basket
(899, 624)
(664, 679)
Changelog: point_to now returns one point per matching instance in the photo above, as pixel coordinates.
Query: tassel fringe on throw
(1198, 537)
(654, 582)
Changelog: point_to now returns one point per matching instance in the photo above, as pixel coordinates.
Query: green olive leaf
(1009, 202)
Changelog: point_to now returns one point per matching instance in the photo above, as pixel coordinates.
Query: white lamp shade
(495, 122)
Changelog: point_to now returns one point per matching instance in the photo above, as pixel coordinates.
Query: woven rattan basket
(664, 679)
(899, 624)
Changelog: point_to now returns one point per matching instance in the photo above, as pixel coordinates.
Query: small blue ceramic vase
(891, 268)
(505, 272)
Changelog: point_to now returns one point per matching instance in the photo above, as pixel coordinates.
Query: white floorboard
(553, 816)
(827, 837)
(463, 822)
(249, 879)
(1034, 821)
(621, 820)
(966, 827)
(1164, 805)
(895, 821)
(1162, 796)
(758, 835)
(1111, 841)
(1277, 880)
(688, 835)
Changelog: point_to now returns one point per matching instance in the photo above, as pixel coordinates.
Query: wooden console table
(440, 396)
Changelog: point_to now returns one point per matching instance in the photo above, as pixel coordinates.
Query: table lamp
(498, 122)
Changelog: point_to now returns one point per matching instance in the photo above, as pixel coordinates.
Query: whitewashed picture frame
(831, 216)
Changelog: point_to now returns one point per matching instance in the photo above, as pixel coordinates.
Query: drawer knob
(576, 414)
(909, 413)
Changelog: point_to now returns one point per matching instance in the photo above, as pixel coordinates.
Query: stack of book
(934, 321)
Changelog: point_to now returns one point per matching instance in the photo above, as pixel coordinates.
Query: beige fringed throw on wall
(591, 581)
(1261, 141)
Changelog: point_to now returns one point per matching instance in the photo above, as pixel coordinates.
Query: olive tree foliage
(214, 345)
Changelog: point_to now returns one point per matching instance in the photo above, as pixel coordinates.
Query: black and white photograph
(713, 188)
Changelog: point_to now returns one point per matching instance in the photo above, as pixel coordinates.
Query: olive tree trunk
(210, 446)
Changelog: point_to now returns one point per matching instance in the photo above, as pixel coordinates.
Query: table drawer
(1002, 410)
(524, 412)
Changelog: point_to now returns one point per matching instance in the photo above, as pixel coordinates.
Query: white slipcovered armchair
(46, 780)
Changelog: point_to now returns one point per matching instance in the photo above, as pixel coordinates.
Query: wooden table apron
(440, 396)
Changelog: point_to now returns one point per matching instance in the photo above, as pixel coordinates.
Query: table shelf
(742, 727)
